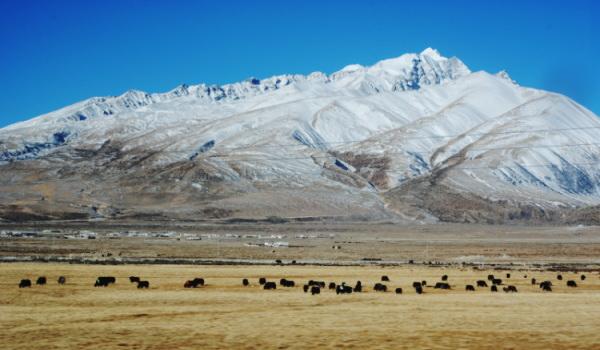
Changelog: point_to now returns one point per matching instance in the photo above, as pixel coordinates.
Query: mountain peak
(412, 71)
(352, 68)
(431, 52)
(504, 75)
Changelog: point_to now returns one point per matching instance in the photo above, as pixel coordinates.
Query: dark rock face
(451, 206)
(32, 150)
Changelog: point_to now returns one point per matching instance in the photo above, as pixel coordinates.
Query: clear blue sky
(54, 53)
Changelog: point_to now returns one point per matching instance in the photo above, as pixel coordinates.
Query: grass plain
(224, 314)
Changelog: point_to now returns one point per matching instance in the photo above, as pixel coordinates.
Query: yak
(316, 283)
(441, 285)
(25, 283)
(286, 283)
(546, 287)
(104, 281)
(343, 289)
(380, 287)
(194, 283)
(270, 285)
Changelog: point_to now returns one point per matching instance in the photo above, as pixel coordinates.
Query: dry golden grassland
(223, 314)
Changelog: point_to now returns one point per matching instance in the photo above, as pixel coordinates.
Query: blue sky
(54, 53)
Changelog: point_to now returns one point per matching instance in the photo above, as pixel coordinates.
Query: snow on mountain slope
(338, 141)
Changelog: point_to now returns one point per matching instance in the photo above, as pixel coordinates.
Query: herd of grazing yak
(315, 286)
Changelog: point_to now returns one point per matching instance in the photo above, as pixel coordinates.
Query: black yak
(343, 289)
(441, 285)
(286, 283)
(270, 285)
(104, 281)
(25, 283)
(193, 283)
(316, 283)
(546, 287)
(380, 287)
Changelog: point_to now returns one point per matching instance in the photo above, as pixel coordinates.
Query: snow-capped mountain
(417, 137)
